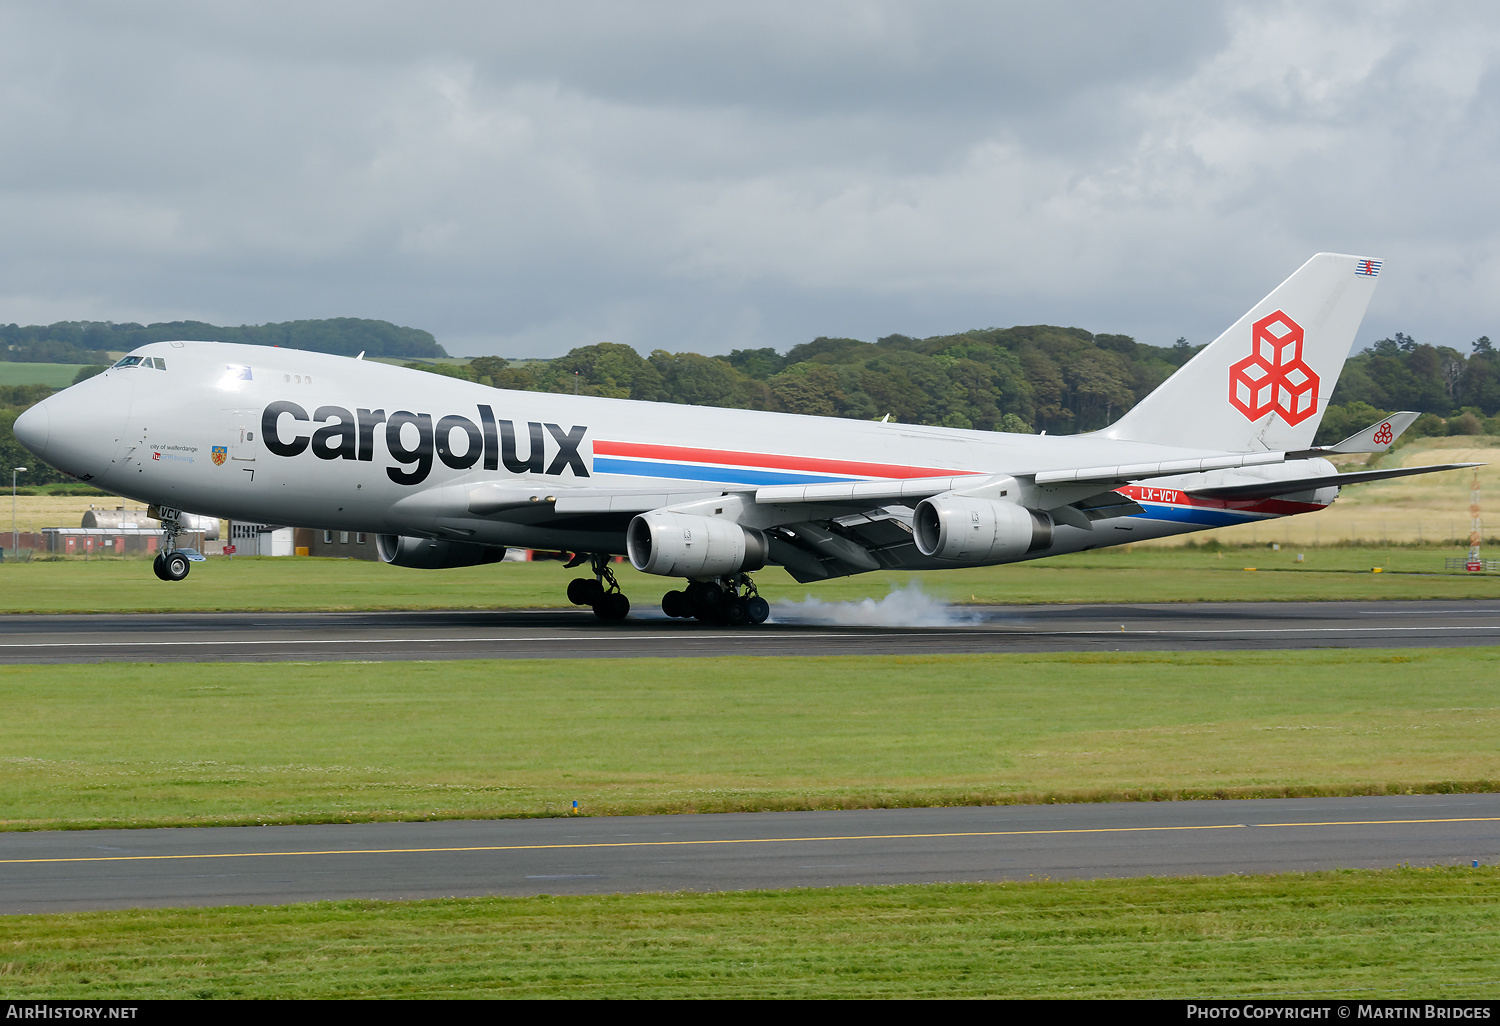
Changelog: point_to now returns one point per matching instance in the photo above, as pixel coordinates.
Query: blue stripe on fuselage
(1195, 515)
(730, 475)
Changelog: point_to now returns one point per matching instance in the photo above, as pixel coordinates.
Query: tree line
(91, 342)
(1457, 393)
(13, 400)
(1023, 379)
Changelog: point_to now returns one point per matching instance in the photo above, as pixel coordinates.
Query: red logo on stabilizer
(1273, 376)
(1385, 434)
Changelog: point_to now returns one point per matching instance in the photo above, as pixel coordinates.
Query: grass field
(1424, 509)
(1108, 575)
(113, 745)
(139, 745)
(58, 375)
(1339, 936)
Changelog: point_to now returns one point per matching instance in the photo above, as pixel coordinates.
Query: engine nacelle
(433, 553)
(684, 545)
(966, 529)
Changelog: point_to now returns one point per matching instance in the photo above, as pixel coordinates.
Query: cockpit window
(154, 362)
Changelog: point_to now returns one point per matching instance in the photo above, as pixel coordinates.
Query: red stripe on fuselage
(685, 454)
(1178, 497)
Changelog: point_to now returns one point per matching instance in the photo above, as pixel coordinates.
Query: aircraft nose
(76, 430)
(32, 428)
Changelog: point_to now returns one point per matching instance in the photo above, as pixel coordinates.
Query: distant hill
(89, 342)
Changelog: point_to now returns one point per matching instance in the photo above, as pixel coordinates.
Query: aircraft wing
(1095, 478)
(1271, 489)
(499, 499)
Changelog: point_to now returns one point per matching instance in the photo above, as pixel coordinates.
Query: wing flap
(867, 491)
(627, 502)
(497, 499)
(1171, 468)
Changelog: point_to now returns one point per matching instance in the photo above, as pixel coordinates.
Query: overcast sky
(521, 179)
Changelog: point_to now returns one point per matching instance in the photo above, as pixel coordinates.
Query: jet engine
(433, 553)
(967, 529)
(683, 545)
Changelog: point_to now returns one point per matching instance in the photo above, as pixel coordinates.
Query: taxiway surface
(103, 869)
(533, 634)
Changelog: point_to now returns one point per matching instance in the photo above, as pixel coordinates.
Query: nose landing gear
(169, 564)
(601, 591)
(728, 601)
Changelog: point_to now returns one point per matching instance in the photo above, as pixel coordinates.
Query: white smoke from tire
(907, 606)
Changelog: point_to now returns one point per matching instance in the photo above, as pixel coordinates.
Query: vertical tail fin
(1264, 383)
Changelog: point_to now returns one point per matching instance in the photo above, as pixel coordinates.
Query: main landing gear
(601, 591)
(731, 601)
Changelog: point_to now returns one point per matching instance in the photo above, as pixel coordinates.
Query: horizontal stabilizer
(1271, 489)
(1379, 436)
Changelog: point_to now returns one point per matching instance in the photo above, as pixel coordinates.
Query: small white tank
(127, 518)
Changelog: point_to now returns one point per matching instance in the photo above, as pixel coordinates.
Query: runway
(74, 870)
(542, 634)
(105, 869)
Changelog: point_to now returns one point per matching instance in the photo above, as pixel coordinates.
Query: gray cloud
(523, 179)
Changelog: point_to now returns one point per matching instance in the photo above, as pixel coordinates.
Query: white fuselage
(296, 438)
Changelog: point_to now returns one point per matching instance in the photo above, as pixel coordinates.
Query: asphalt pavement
(58, 871)
(834, 630)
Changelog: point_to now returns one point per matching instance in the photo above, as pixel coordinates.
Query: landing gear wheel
(585, 591)
(614, 606)
(736, 612)
(730, 600)
(174, 566)
(169, 564)
(706, 601)
(601, 591)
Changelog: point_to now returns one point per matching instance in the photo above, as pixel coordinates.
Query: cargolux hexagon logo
(1273, 376)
